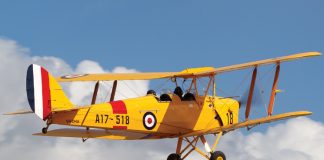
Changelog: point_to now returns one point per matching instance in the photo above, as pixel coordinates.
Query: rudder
(44, 93)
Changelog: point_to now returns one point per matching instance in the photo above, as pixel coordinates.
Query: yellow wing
(115, 76)
(250, 123)
(190, 72)
(93, 133)
(266, 62)
(103, 134)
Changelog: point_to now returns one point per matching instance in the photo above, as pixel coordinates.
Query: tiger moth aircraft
(187, 116)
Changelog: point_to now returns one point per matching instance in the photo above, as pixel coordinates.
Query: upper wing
(250, 123)
(133, 76)
(258, 63)
(190, 72)
(266, 62)
(115, 76)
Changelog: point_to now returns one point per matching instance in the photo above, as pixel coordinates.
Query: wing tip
(306, 113)
(315, 53)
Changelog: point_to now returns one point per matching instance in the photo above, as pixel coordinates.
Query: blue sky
(172, 35)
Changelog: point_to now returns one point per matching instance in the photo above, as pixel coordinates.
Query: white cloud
(16, 136)
(298, 139)
(84, 89)
(81, 92)
(56, 66)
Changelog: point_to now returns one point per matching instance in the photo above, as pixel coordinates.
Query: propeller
(256, 102)
(256, 99)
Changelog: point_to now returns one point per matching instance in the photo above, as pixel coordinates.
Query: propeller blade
(257, 99)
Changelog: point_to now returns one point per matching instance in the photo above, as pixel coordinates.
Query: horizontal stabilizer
(19, 112)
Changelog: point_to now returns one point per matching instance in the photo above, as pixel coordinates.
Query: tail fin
(44, 93)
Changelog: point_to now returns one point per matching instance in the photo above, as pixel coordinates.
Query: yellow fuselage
(150, 116)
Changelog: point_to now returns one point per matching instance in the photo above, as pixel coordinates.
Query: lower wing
(103, 134)
(250, 123)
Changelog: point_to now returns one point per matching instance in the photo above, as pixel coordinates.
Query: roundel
(149, 120)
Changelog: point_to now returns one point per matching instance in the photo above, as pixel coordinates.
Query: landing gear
(44, 130)
(191, 145)
(217, 155)
(174, 156)
(48, 123)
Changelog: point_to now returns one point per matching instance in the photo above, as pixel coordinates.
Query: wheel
(217, 155)
(44, 130)
(174, 156)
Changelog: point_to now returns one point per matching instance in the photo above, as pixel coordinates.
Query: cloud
(15, 132)
(298, 139)
(81, 92)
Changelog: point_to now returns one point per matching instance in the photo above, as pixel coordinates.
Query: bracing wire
(158, 87)
(130, 88)
(119, 93)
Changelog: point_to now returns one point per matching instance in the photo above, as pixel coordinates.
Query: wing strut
(274, 90)
(94, 96)
(113, 91)
(249, 102)
(93, 101)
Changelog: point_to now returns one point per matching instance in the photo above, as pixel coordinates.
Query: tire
(174, 156)
(44, 130)
(217, 155)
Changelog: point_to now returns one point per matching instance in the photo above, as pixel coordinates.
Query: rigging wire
(107, 93)
(241, 82)
(160, 85)
(236, 89)
(107, 89)
(100, 97)
(121, 94)
(266, 80)
(130, 88)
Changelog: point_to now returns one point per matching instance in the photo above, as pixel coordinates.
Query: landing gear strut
(191, 146)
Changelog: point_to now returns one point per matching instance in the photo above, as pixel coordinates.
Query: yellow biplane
(186, 116)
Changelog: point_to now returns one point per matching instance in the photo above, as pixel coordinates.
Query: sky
(140, 36)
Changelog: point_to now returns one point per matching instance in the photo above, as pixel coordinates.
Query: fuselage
(149, 115)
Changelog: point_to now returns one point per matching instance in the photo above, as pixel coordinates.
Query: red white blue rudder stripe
(38, 91)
